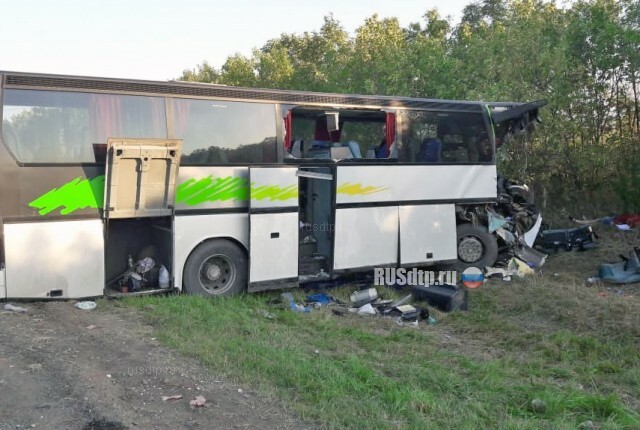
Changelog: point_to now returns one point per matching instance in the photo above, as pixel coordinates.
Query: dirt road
(64, 368)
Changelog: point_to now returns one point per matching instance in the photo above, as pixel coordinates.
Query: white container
(163, 279)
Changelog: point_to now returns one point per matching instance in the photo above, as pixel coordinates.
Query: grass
(547, 337)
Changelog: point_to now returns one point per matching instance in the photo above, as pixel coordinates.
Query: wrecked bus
(225, 189)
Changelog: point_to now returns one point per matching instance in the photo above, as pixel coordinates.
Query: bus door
(139, 200)
(273, 227)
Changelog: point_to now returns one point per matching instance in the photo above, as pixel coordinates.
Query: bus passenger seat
(430, 151)
(355, 149)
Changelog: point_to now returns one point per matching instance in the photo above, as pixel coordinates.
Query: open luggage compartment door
(141, 176)
(273, 227)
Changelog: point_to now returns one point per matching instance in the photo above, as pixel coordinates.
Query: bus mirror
(332, 121)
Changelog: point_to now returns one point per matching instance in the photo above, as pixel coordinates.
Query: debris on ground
(568, 239)
(197, 402)
(288, 299)
(401, 301)
(86, 305)
(444, 297)
(514, 267)
(12, 308)
(363, 297)
(367, 301)
(538, 406)
(319, 299)
(174, 397)
(626, 271)
(91, 327)
(495, 272)
(268, 315)
(519, 268)
(366, 310)
(533, 258)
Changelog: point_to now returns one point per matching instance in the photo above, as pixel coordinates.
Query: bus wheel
(216, 268)
(476, 247)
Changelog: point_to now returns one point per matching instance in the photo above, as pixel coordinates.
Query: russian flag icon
(472, 277)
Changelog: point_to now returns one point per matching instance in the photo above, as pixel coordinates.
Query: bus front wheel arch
(216, 267)
(476, 247)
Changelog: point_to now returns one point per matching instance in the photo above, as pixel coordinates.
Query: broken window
(445, 137)
(359, 133)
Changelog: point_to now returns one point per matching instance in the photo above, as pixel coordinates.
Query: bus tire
(215, 268)
(476, 247)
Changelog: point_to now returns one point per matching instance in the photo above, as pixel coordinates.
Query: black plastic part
(444, 297)
(579, 238)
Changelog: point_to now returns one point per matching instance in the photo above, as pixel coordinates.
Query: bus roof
(203, 90)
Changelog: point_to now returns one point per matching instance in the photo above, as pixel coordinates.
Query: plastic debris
(408, 312)
(530, 236)
(11, 308)
(288, 298)
(626, 271)
(401, 301)
(268, 315)
(507, 236)
(593, 280)
(569, 239)
(319, 299)
(532, 257)
(493, 272)
(86, 306)
(367, 310)
(197, 402)
(361, 298)
(163, 279)
(519, 267)
(495, 221)
(445, 297)
(174, 397)
(91, 327)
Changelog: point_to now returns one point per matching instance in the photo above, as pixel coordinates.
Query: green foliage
(583, 59)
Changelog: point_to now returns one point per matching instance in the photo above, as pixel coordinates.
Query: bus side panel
(366, 237)
(427, 233)
(212, 187)
(375, 184)
(53, 259)
(3, 289)
(191, 230)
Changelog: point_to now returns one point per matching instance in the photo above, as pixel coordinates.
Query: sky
(158, 39)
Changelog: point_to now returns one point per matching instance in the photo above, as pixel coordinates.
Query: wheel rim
(470, 249)
(217, 274)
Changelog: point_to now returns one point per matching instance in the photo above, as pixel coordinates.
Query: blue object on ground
(320, 298)
(293, 305)
(622, 272)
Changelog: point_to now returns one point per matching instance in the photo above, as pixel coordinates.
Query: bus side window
(220, 131)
